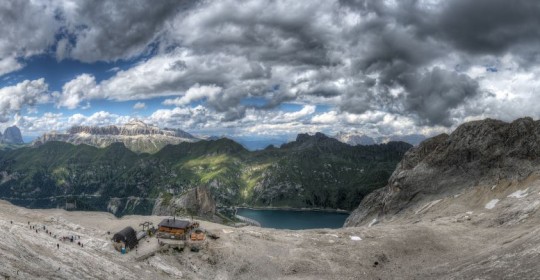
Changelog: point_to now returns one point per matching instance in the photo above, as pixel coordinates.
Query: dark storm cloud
(404, 40)
(111, 30)
(26, 29)
(263, 31)
(489, 26)
(434, 93)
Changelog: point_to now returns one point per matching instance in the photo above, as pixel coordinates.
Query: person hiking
(57, 246)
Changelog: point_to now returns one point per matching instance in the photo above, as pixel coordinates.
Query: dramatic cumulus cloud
(111, 30)
(27, 93)
(424, 65)
(27, 28)
(83, 87)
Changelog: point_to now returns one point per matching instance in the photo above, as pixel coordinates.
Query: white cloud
(26, 93)
(194, 93)
(82, 88)
(139, 106)
(326, 118)
(305, 111)
(9, 64)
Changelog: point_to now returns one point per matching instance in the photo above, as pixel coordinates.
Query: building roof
(172, 223)
(128, 236)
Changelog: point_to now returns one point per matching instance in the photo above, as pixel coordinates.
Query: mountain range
(312, 171)
(135, 135)
(463, 205)
(358, 138)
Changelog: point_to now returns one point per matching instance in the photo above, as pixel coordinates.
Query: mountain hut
(173, 229)
(126, 238)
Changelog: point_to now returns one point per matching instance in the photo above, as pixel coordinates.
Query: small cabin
(173, 229)
(126, 238)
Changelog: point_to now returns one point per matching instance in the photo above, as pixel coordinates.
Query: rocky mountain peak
(304, 137)
(477, 152)
(12, 135)
(304, 140)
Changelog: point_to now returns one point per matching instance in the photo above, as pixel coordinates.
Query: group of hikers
(71, 238)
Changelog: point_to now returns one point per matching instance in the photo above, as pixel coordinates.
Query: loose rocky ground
(452, 237)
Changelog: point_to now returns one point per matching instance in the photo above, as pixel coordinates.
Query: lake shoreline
(293, 218)
(293, 209)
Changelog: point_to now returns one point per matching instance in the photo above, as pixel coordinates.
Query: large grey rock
(478, 152)
(12, 135)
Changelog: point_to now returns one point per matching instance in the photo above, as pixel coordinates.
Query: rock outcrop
(197, 201)
(12, 135)
(136, 135)
(476, 153)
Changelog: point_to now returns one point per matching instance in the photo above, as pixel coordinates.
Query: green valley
(312, 172)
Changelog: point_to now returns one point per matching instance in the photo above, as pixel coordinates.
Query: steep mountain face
(319, 171)
(136, 136)
(197, 201)
(12, 135)
(479, 161)
(357, 138)
(314, 171)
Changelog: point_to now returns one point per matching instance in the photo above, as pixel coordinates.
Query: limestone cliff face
(478, 152)
(136, 136)
(197, 201)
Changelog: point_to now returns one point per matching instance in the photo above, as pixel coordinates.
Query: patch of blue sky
(57, 73)
(290, 107)
(322, 108)
(258, 102)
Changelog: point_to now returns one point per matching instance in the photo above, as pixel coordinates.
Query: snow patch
(374, 222)
(355, 238)
(491, 204)
(520, 193)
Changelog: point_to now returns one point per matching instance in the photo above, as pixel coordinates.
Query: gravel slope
(440, 242)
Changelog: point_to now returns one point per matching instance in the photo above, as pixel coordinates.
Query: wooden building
(173, 229)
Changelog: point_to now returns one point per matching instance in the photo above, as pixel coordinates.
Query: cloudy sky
(268, 68)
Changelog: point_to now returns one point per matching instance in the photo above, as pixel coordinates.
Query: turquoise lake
(290, 219)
